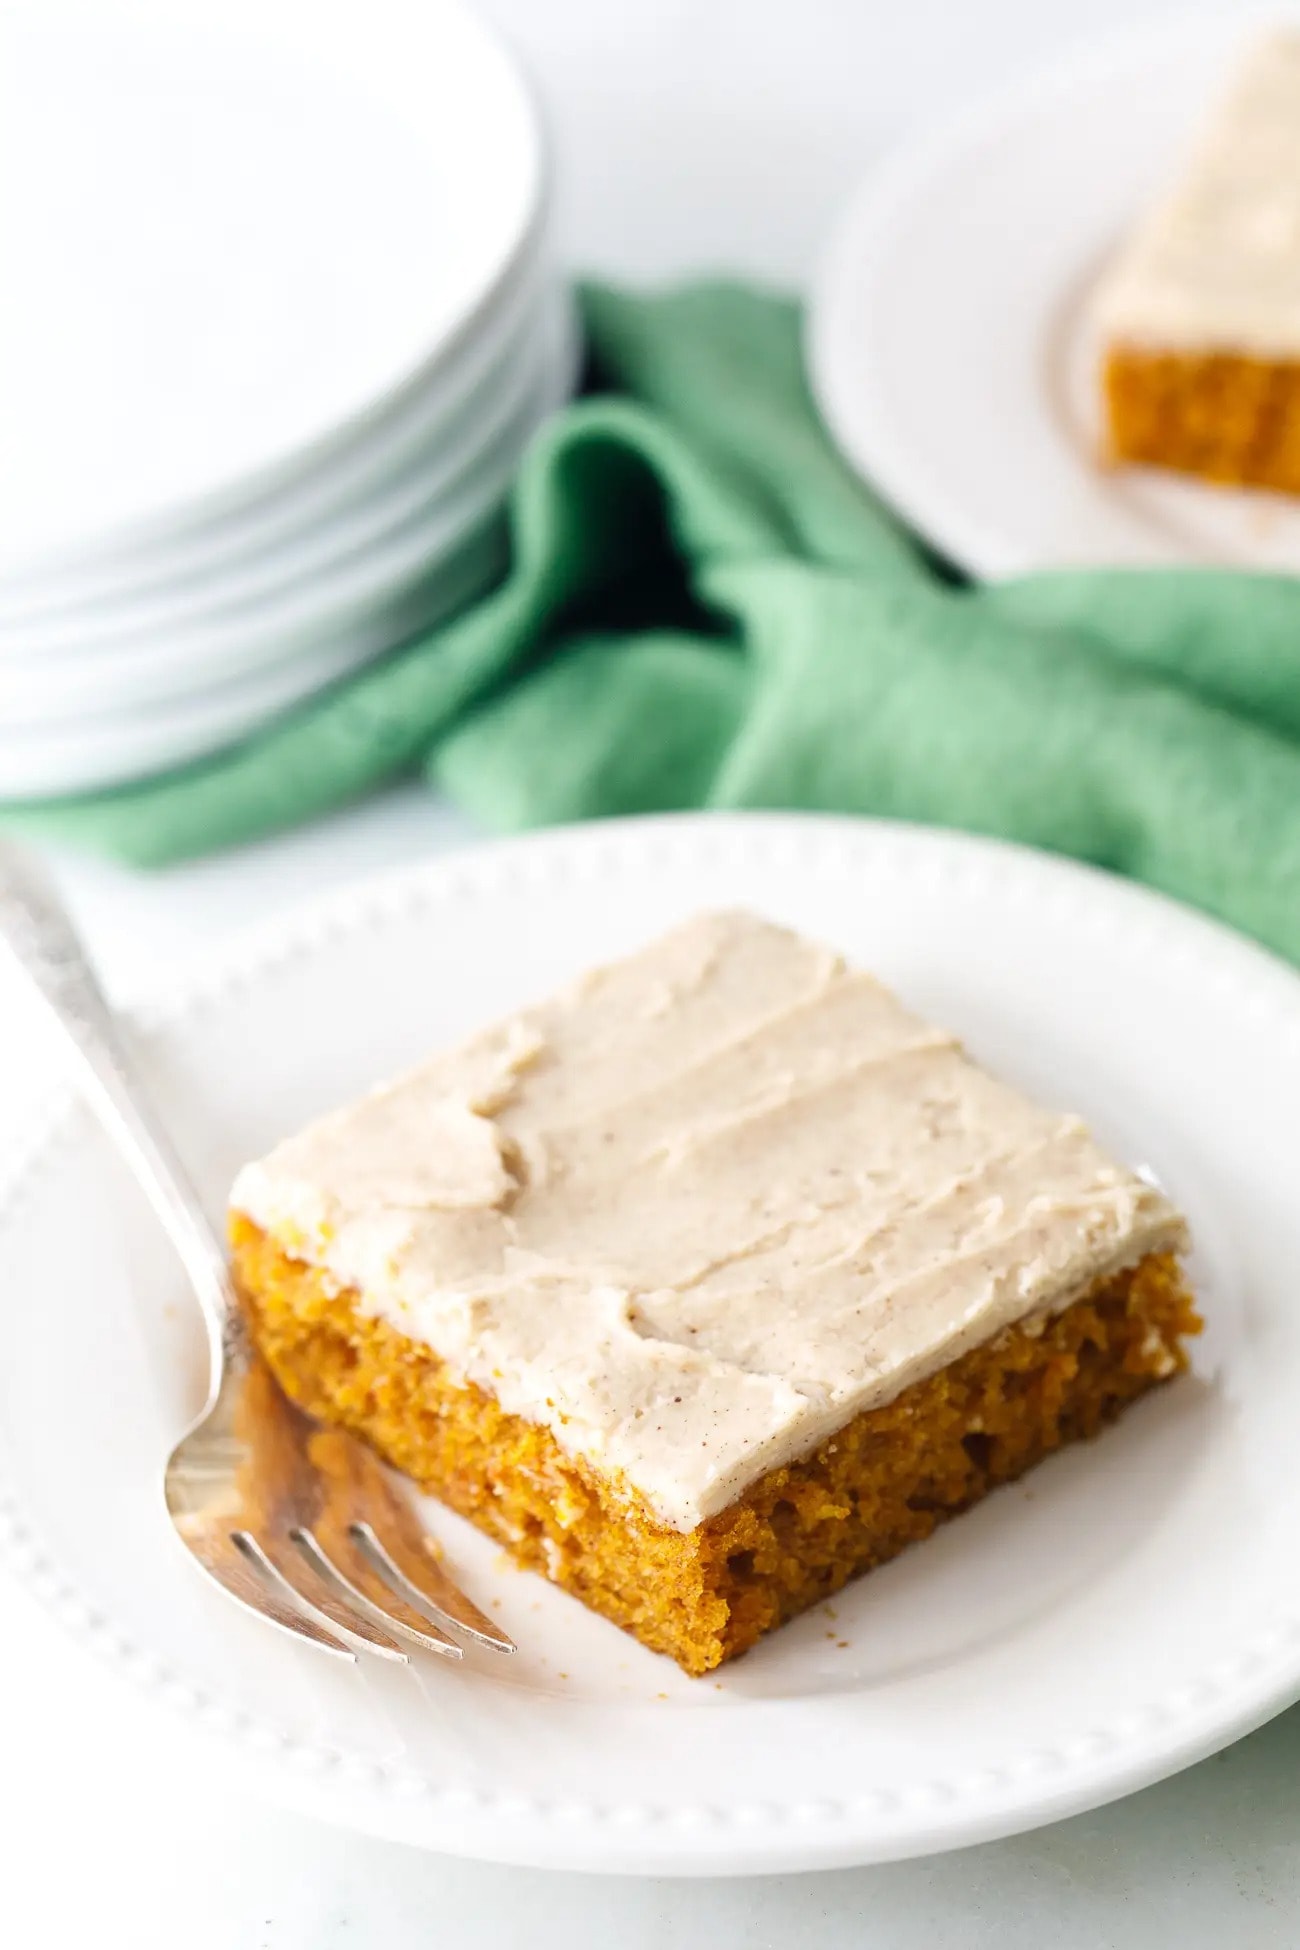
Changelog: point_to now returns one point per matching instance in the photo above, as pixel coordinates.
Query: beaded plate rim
(740, 1836)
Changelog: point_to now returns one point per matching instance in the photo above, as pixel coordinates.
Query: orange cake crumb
(797, 1534)
(1223, 416)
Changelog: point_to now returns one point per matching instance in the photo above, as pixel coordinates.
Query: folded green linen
(705, 609)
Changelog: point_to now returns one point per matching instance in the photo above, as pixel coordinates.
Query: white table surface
(690, 133)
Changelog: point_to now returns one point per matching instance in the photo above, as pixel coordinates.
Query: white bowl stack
(280, 317)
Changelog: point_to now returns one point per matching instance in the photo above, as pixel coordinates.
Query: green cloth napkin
(705, 609)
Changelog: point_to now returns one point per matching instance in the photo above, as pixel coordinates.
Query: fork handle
(45, 948)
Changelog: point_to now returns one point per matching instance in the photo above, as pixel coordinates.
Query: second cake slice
(1200, 316)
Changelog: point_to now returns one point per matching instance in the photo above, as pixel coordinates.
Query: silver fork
(299, 1523)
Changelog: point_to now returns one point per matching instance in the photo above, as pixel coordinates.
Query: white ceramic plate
(84, 754)
(429, 421)
(1133, 1606)
(214, 629)
(121, 713)
(245, 223)
(949, 344)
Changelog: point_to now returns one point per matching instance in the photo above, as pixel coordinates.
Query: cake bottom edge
(1222, 416)
(796, 1536)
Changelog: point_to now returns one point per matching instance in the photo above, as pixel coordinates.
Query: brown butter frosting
(704, 1207)
(1215, 267)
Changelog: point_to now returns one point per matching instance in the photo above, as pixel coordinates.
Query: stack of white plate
(279, 320)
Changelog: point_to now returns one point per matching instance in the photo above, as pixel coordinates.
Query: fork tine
(415, 1575)
(240, 1578)
(345, 1561)
(295, 1573)
(361, 1501)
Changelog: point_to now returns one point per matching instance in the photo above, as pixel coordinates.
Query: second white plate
(948, 336)
(1131, 1607)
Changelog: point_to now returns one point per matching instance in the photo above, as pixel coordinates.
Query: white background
(715, 134)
